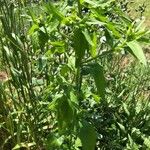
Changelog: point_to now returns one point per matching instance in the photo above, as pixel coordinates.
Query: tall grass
(23, 116)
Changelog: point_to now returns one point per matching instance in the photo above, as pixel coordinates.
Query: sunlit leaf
(33, 29)
(93, 49)
(121, 127)
(23, 145)
(92, 40)
(87, 36)
(52, 9)
(126, 109)
(137, 51)
(147, 142)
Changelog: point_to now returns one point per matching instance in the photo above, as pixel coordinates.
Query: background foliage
(70, 78)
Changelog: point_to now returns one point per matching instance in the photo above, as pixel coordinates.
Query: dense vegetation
(73, 76)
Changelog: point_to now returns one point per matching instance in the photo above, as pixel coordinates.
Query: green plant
(57, 61)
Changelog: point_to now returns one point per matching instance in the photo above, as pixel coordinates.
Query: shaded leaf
(80, 45)
(87, 136)
(53, 142)
(42, 61)
(97, 72)
(145, 40)
(109, 38)
(65, 113)
(43, 38)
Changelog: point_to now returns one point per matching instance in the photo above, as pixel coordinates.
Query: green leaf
(64, 70)
(93, 3)
(74, 98)
(112, 27)
(96, 98)
(87, 135)
(16, 41)
(137, 51)
(97, 72)
(145, 40)
(87, 36)
(32, 15)
(54, 104)
(43, 38)
(21, 145)
(93, 49)
(92, 42)
(53, 10)
(8, 52)
(42, 62)
(121, 127)
(78, 143)
(101, 19)
(65, 113)
(34, 28)
(125, 107)
(57, 43)
(53, 142)
(132, 144)
(80, 45)
(109, 38)
(24, 145)
(147, 142)
(52, 26)
(37, 82)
